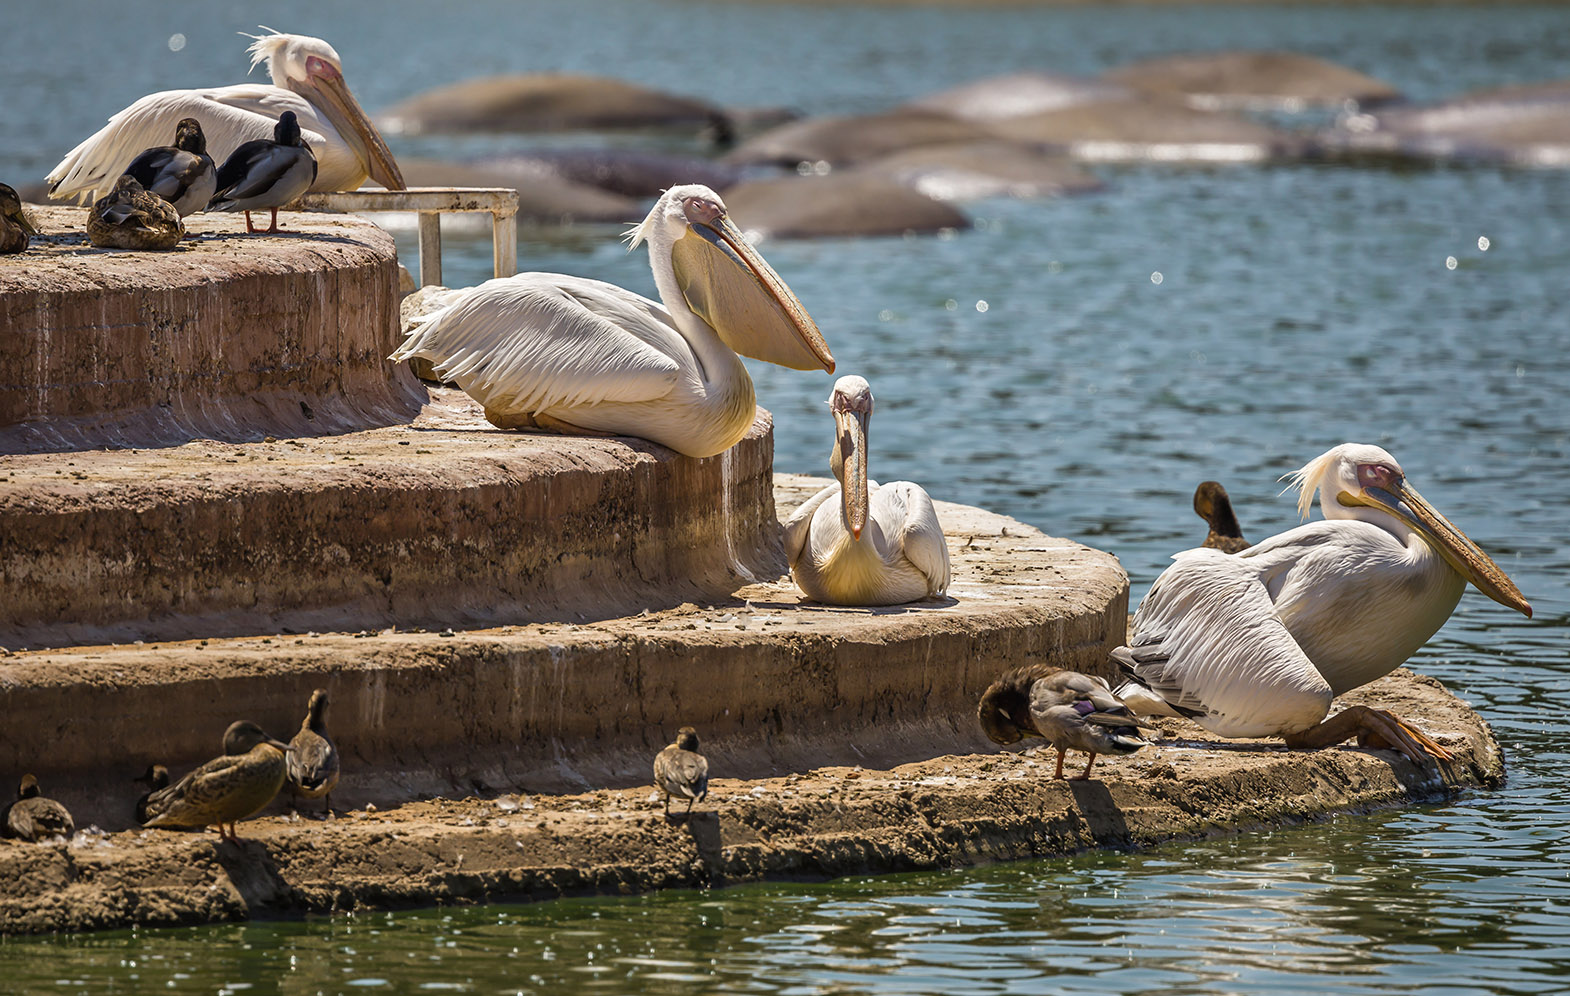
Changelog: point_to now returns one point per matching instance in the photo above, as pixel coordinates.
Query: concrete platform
(443, 521)
(818, 822)
(771, 682)
(228, 336)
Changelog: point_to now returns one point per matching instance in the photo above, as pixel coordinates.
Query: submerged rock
(550, 102)
(1524, 125)
(1141, 128)
(974, 170)
(1018, 94)
(544, 196)
(852, 202)
(636, 173)
(1273, 80)
(841, 141)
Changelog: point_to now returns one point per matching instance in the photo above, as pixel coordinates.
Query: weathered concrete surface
(228, 336)
(444, 521)
(773, 684)
(941, 811)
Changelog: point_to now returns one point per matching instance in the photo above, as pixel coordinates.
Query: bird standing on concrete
(226, 789)
(183, 173)
(1212, 504)
(1259, 643)
(131, 218)
(313, 760)
(15, 228)
(680, 770)
(266, 174)
(858, 542)
(155, 777)
(32, 817)
(1072, 711)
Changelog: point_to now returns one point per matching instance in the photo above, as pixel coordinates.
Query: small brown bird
(32, 817)
(226, 789)
(131, 218)
(680, 770)
(155, 777)
(313, 760)
(1070, 710)
(1213, 505)
(15, 227)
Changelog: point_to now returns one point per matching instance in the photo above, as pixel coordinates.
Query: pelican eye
(1378, 475)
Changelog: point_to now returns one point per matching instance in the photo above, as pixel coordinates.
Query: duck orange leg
(1086, 775)
(1373, 728)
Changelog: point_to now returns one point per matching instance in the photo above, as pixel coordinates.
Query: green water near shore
(1298, 306)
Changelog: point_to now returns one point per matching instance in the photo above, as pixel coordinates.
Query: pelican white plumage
(571, 354)
(858, 543)
(1258, 643)
(307, 79)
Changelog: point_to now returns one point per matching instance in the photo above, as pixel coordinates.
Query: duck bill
(351, 122)
(852, 430)
(1460, 552)
(727, 284)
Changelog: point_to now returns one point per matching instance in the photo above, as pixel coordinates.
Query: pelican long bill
(350, 119)
(1451, 543)
(730, 286)
(851, 429)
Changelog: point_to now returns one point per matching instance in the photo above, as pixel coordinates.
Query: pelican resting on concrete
(858, 542)
(307, 79)
(313, 760)
(129, 217)
(265, 174)
(571, 354)
(183, 173)
(15, 228)
(226, 789)
(155, 777)
(681, 771)
(1258, 644)
(32, 817)
(1072, 711)
(1212, 504)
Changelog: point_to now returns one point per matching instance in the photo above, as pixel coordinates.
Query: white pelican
(1072, 711)
(266, 173)
(576, 355)
(901, 558)
(1258, 643)
(307, 79)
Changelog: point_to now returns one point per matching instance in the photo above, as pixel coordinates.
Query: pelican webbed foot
(1376, 728)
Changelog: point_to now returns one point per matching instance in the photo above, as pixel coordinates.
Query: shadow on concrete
(254, 874)
(1101, 813)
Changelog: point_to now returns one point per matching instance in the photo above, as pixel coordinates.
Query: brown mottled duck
(15, 228)
(132, 218)
(681, 771)
(1071, 711)
(1213, 505)
(226, 789)
(33, 817)
(313, 760)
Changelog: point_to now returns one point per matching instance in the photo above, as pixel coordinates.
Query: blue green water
(1298, 306)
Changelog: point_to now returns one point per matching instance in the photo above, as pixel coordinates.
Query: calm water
(1296, 307)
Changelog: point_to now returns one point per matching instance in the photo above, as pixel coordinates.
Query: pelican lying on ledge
(1258, 643)
(570, 354)
(856, 543)
(307, 79)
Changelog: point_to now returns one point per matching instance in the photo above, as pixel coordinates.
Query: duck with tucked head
(131, 218)
(313, 760)
(183, 173)
(1070, 710)
(681, 771)
(858, 542)
(33, 817)
(16, 229)
(155, 777)
(226, 789)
